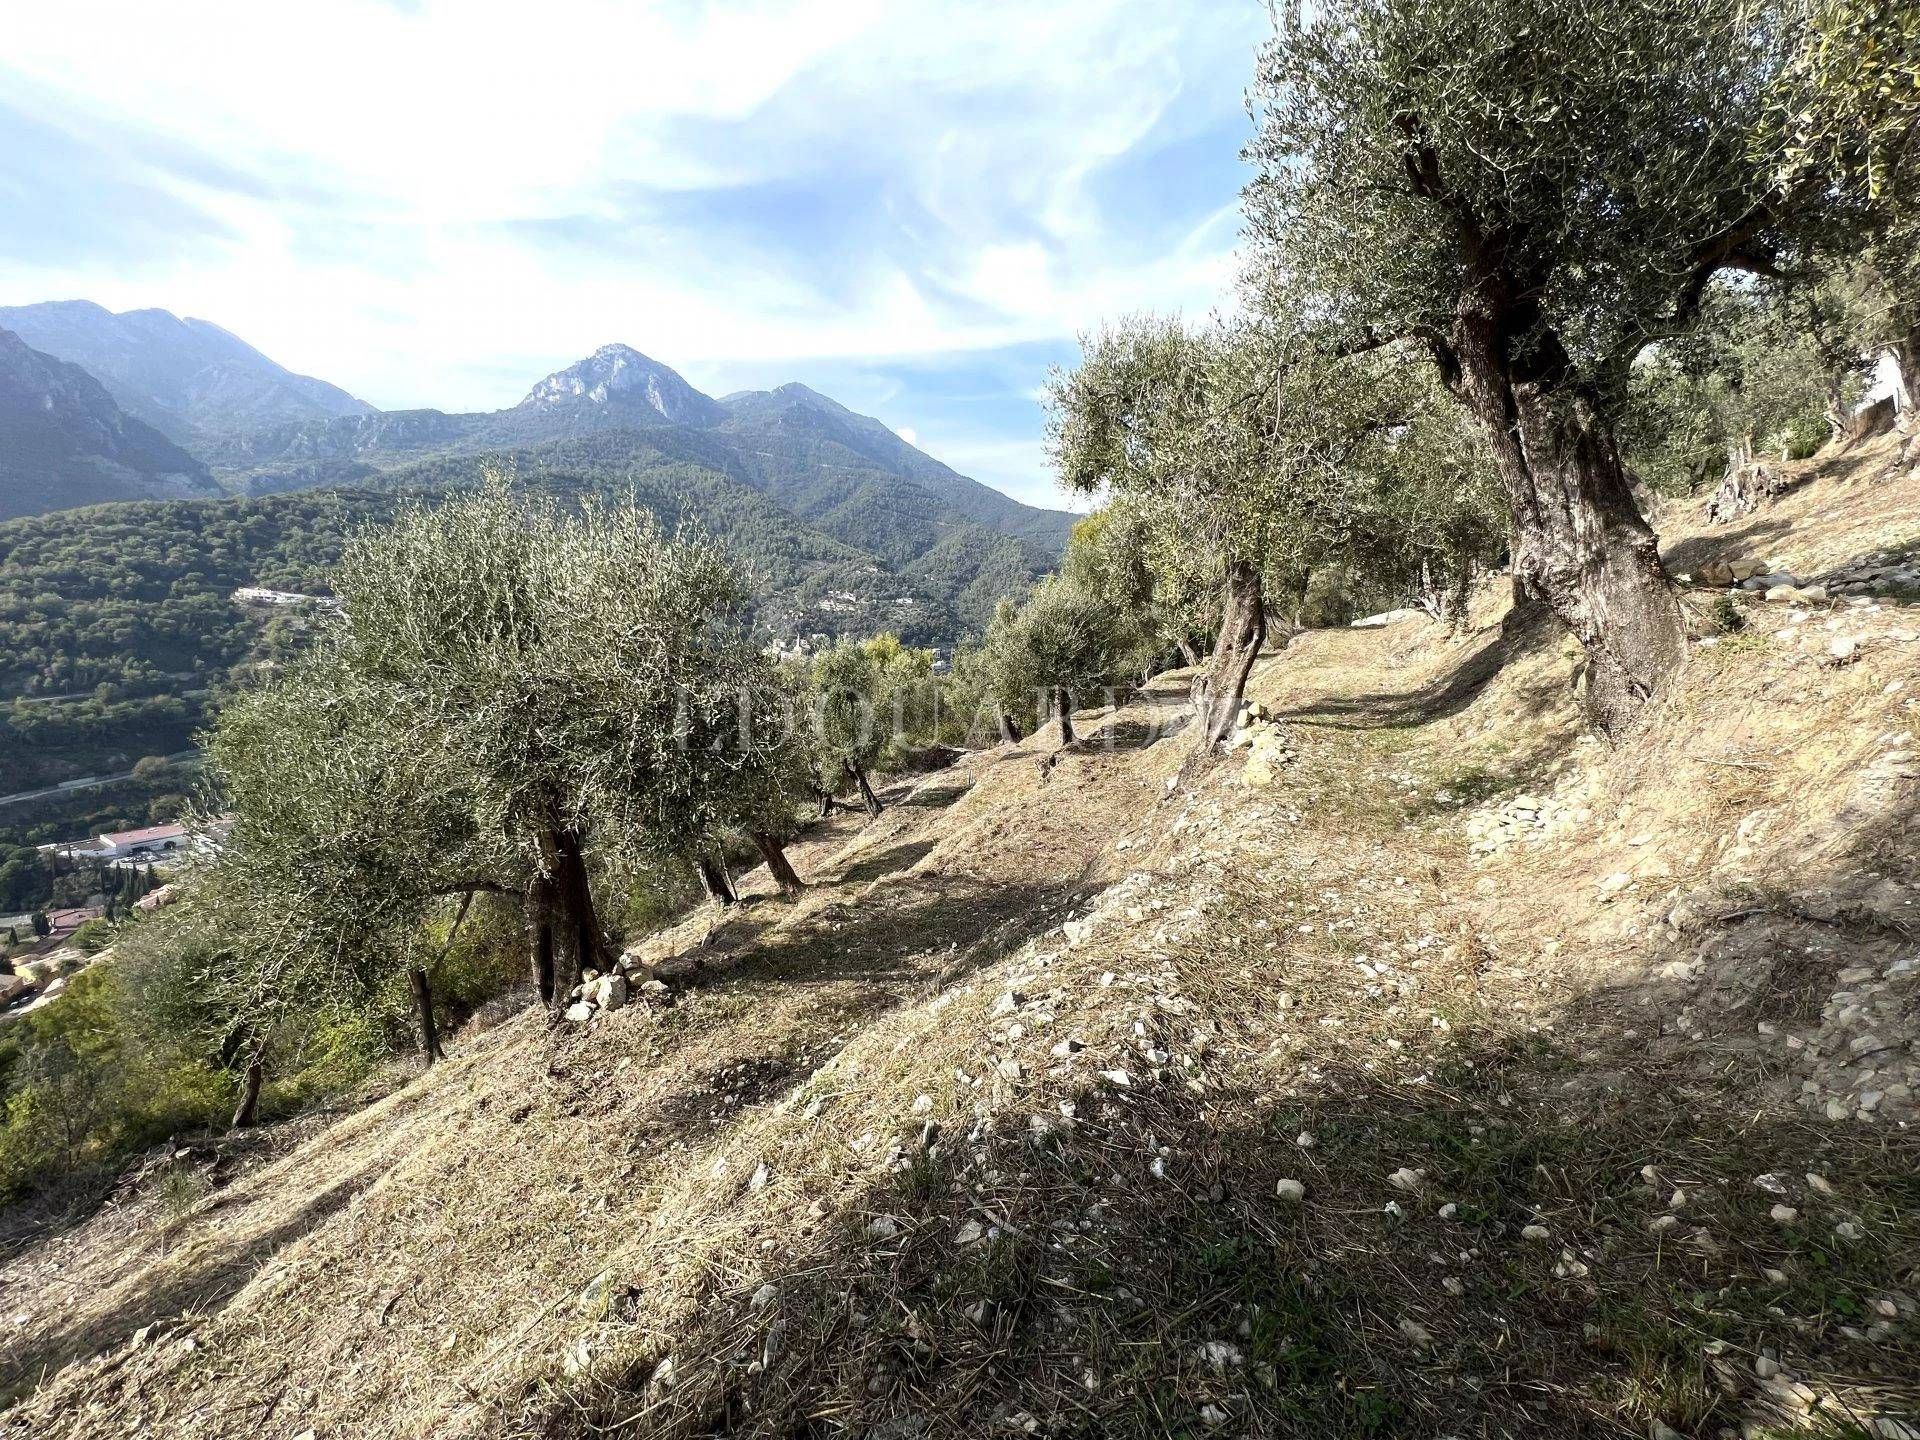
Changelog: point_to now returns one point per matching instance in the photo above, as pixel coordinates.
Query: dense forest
(117, 626)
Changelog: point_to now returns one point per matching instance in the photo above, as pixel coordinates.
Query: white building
(154, 840)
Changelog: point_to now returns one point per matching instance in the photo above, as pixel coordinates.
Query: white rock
(1784, 1214)
(968, 1234)
(1448, 1210)
(1407, 1179)
(883, 1227)
(580, 1012)
(1291, 1191)
(1416, 1332)
(1221, 1356)
(1117, 1077)
(764, 1296)
(1535, 1232)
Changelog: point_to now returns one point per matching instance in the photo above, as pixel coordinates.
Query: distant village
(41, 950)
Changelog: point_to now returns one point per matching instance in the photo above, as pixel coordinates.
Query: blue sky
(914, 208)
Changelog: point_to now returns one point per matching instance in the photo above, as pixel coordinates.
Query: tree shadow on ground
(220, 1271)
(1734, 542)
(1137, 1270)
(885, 862)
(892, 940)
(1129, 735)
(1460, 687)
(935, 797)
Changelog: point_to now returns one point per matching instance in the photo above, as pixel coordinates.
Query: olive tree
(345, 829)
(743, 734)
(1763, 377)
(1001, 671)
(512, 681)
(1532, 190)
(846, 706)
(1245, 444)
(1172, 604)
(1853, 113)
(1149, 417)
(1074, 643)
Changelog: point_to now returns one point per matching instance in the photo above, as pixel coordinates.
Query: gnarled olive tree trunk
(248, 1110)
(1580, 542)
(1906, 382)
(422, 988)
(563, 929)
(867, 798)
(778, 866)
(1243, 630)
(714, 879)
(420, 979)
(1009, 729)
(1063, 712)
(1748, 483)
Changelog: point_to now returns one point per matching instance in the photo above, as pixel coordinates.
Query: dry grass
(846, 1185)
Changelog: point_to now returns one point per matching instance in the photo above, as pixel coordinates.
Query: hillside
(1425, 1068)
(828, 465)
(189, 378)
(63, 441)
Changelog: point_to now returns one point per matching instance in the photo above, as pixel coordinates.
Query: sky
(913, 207)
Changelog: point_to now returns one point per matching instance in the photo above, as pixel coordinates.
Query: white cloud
(397, 186)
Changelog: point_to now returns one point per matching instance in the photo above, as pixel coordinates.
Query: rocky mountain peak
(618, 377)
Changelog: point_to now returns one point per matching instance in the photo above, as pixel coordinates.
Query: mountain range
(189, 379)
(144, 404)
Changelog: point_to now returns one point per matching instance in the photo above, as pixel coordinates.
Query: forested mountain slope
(188, 378)
(138, 598)
(615, 418)
(811, 451)
(1423, 1067)
(844, 474)
(63, 441)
